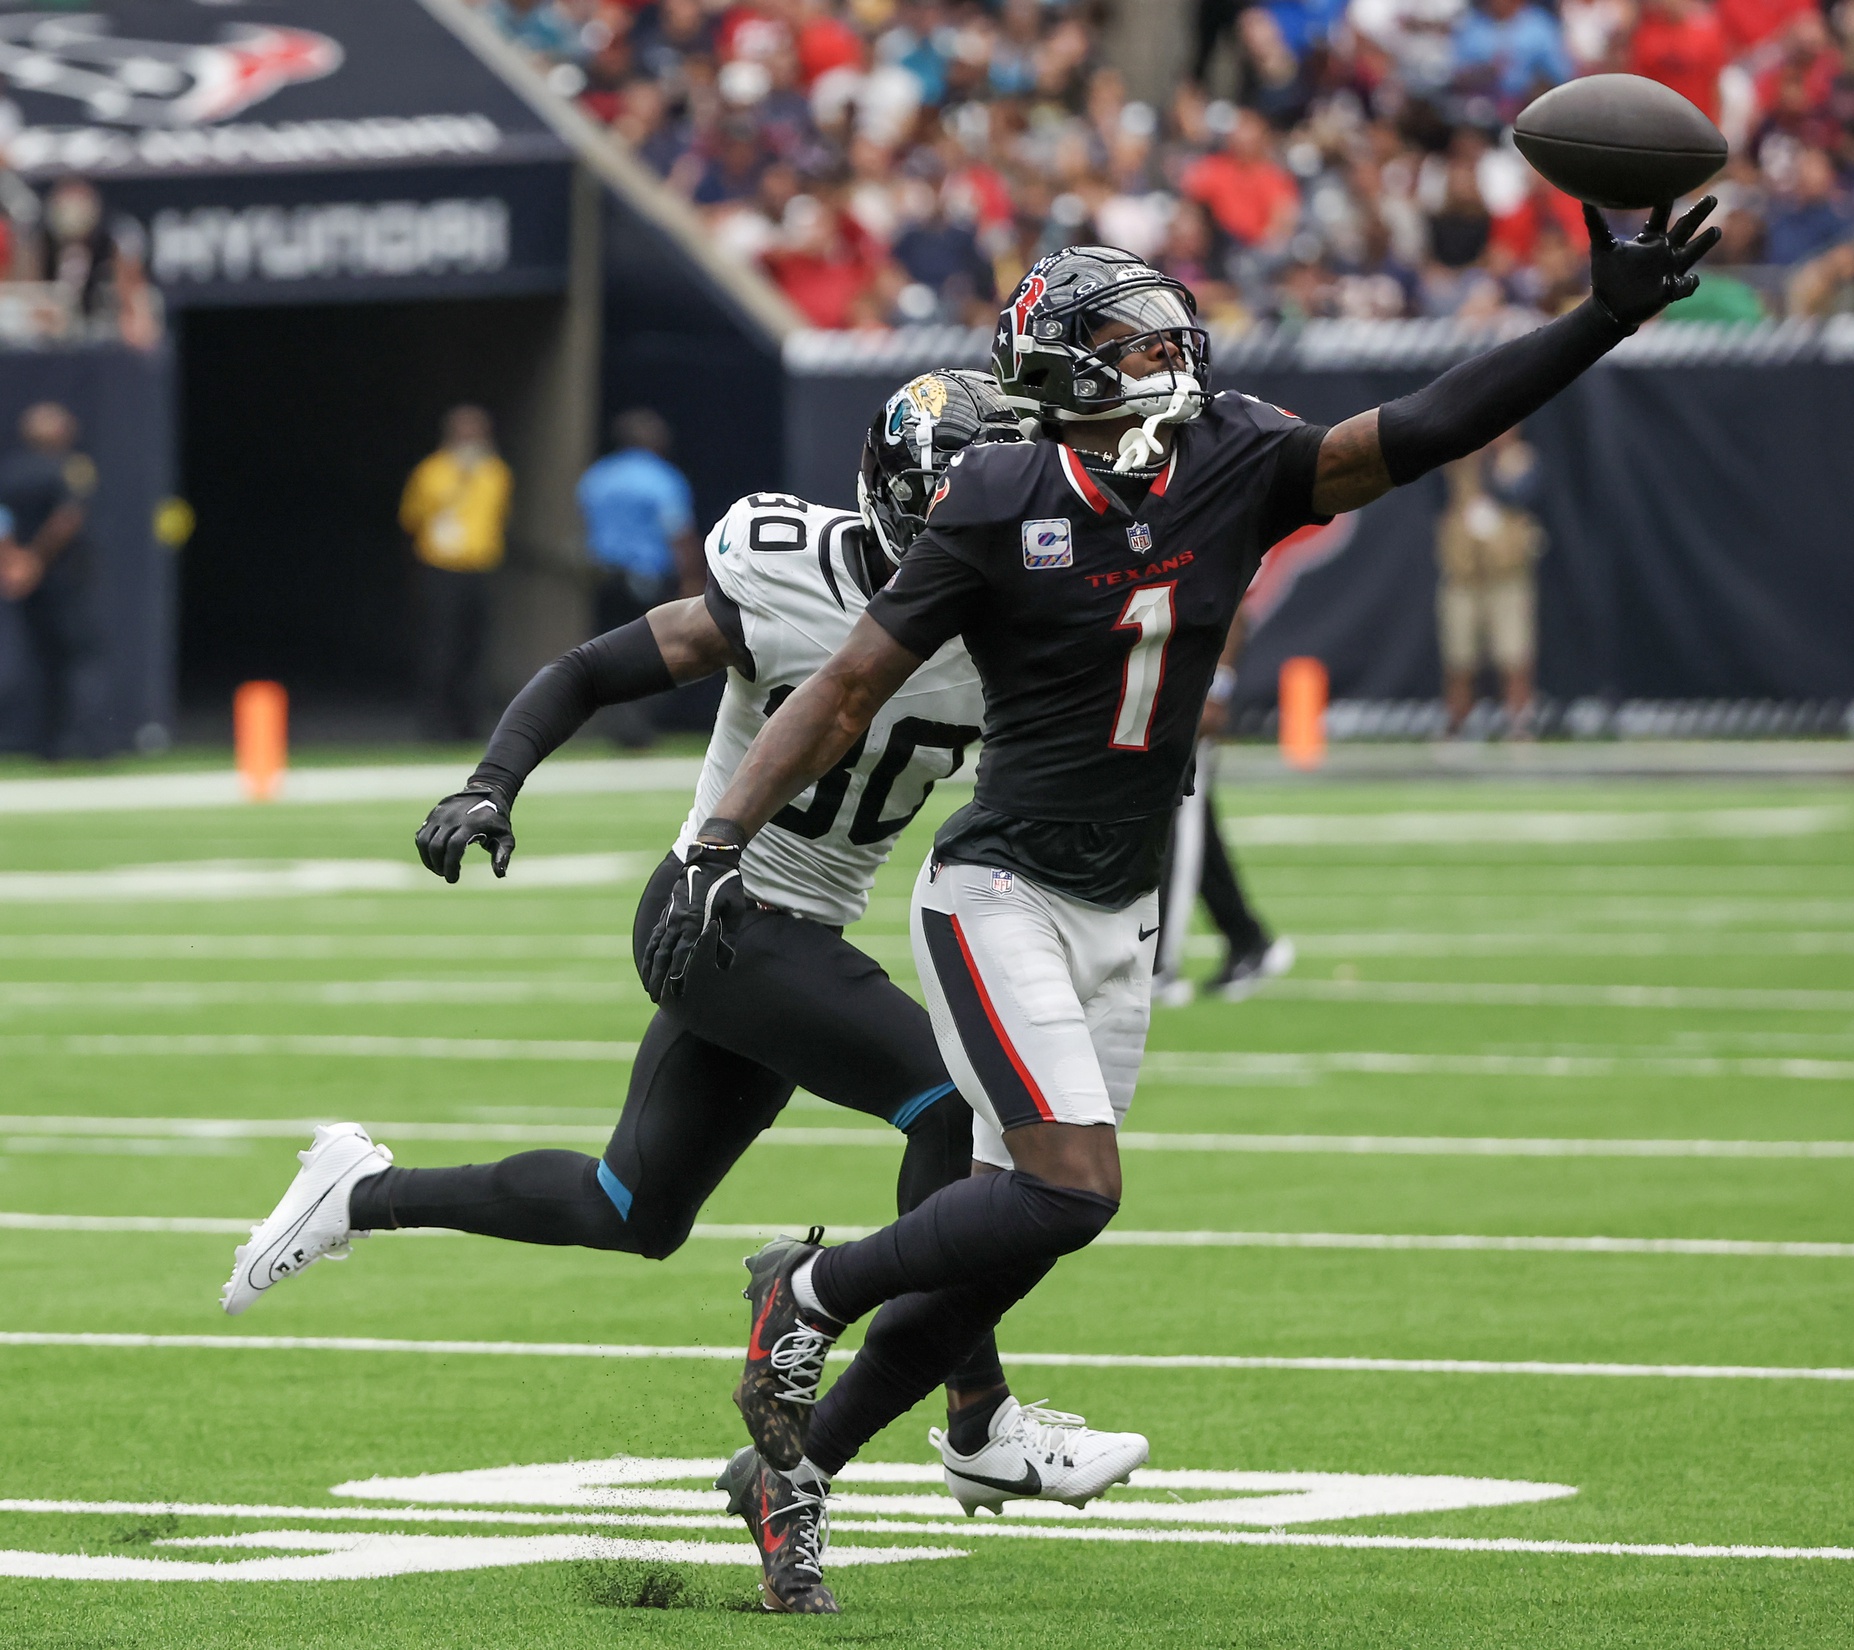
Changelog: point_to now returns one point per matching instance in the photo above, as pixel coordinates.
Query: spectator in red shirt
(1681, 44)
(1749, 23)
(1253, 197)
(829, 263)
(825, 42)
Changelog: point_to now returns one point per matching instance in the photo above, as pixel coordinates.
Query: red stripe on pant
(997, 1026)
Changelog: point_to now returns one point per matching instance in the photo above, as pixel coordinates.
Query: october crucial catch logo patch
(1047, 544)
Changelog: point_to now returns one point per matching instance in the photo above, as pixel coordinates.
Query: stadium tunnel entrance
(359, 213)
(298, 427)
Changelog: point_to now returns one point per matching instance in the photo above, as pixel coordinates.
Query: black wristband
(613, 669)
(1464, 409)
(720, 833)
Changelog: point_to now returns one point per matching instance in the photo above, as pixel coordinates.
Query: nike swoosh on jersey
(1147, 933)
(1029, 1484)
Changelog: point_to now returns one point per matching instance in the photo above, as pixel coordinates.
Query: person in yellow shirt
(455, 507)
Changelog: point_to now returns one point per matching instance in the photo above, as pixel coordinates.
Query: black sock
(939, 1153)
(534, 1197)
(981, 1227)
(912, 1346)
(968, 1429)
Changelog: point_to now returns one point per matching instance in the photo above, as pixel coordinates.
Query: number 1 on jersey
(1148, 610)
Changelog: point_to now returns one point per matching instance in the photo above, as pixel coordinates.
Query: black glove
(707, 897)
(1635, 280)
(469, 816)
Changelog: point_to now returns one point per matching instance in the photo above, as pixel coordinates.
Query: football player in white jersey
(791, 1002)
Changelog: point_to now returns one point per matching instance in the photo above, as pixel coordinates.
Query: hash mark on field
(1042, 1360)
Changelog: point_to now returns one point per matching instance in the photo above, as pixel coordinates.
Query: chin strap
(1140, 449)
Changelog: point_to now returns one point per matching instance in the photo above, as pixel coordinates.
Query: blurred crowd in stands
(904, 161)
(69, 270)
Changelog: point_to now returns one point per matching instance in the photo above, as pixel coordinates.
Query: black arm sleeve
(1464, 409)
(621, 665)
(1290, 494)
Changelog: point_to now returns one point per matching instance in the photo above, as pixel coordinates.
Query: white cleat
(311, 1222)
(1038, 1454)
(1175, 992)
(1249, 974)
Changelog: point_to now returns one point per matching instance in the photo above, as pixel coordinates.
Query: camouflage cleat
(790, 1526)
(785, 1353)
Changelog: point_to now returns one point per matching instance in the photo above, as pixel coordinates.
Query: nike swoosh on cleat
(755, 1351)
(1030, 1484)
(769, 1544)
(1147, 933)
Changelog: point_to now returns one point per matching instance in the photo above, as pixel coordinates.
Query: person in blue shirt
(1510, 49)
(640, 529)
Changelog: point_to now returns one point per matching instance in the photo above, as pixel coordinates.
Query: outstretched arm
(672, 644)
(1460, 412)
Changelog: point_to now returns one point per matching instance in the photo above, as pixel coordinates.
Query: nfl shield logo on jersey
(1139, 538)
(1047, 544)
(1001, 882)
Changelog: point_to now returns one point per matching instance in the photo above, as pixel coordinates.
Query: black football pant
(61, 639)
(800, 1006)
(453, 636)
(1221, 890)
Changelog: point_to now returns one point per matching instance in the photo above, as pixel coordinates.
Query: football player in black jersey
(800, 1004)
(1093, 575)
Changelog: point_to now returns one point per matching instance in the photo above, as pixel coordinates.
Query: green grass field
(1604, 973)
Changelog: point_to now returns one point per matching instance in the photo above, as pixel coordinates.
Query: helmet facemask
(1054, 364)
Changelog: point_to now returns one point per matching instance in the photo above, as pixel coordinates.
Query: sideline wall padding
(1701, 538)
(124, 401)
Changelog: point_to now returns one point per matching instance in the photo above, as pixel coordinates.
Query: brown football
(1620, 141)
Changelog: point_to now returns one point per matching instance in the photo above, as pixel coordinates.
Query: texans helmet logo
(1027, 298)
(164, 83)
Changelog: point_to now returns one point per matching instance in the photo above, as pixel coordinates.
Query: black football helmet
(910, 443)
(1050, 365)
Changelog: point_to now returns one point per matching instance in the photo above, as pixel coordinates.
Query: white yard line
(1516, 942)
(1497, 827)
(151, 995)
(597, 1126)
(991, 1528)
(1296, 1067)
(1113, 1238)
(1166, 1066)
(32, 995)
(311, 947)
(112, 793)
(1520, 942)
(1503, 994)
(301, 878)
(1039, 1360)
(318, 1047)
